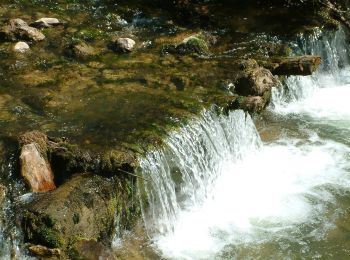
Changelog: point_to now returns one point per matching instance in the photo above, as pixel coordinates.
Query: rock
(35, 169)
(82, 208)
(253, 104)
(124, 45)
(255, 82)
(43, 251)
(46, 22)
(2, 194)
(18, 29)
(34, 137)
(81, 51)
(91, 250)
(302, 65)
(197, 44)
(21, 47)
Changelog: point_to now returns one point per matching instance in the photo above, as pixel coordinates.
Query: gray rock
(18, 29)
(46, 22)
(21, 47)
(124, 45)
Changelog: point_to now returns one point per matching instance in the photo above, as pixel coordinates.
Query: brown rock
(35, 169)
(2, 194)
(302, 65)
(34, 137)
(91, 250)
(255, 82)
(253, 104)
(43, 251)
(81, 51)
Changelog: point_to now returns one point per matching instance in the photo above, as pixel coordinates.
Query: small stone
(46, 22)
(35, 169)
(81, 51)
(21, 47)
(124, 45)
(43, 251)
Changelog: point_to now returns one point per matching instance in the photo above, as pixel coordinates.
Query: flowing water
(217, 191)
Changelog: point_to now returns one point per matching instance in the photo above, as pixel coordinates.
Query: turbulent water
(218, 192)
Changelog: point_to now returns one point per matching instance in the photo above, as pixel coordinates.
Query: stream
(220, 191)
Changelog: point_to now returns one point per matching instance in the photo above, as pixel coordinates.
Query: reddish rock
(35, 169)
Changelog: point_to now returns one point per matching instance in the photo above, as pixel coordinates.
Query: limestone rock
(46, 22)
(21, 47)
(255, 82)
(43, 251)
(18, 29)
(301, 65)
(35, 169)
(124, 45)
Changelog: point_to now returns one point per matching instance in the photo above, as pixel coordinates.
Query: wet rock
(82, 208)
(197, 44)
(81, 51)
(18, 29)
(2, 194)
(91, 250)
(43, 251)
(34, 137)
(35, 170)
(46, 22)
(123, 45)
(253, 104)
(302, 65)
(21, 47)
(255, 82)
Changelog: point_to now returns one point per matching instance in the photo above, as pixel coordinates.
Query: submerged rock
(46, 22)
(21, 47)
(35, 169)
(123, 45)
(2, 194)
(81, 51)
(18, 29)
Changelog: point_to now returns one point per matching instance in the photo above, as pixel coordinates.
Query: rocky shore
(87, 89)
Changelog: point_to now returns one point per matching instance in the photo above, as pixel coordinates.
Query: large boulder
(83, 208)
(255, 82)
(17, 29)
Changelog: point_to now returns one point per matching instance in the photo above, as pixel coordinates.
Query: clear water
(219, 192)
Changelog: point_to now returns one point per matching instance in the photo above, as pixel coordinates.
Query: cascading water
(217, 192)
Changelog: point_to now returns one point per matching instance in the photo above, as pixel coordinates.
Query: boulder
(46, 22)
(21, 47)
(123, 45)
(35, 170)
(18, 29)
(255, 82)
(83, 208)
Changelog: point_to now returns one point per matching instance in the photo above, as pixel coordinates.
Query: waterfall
(216, 191)
(181, 175)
